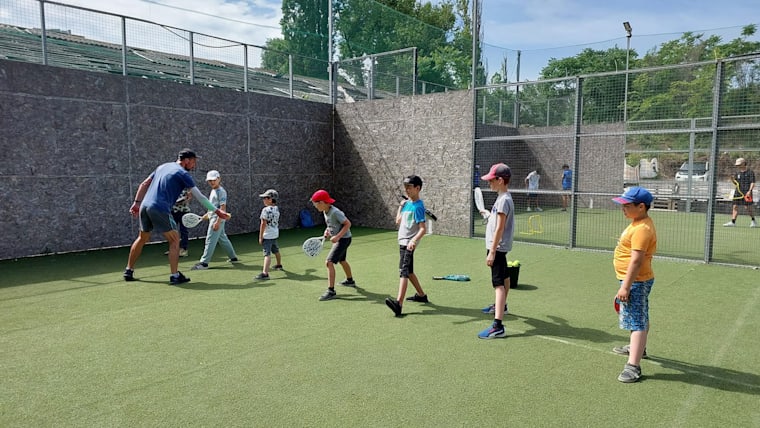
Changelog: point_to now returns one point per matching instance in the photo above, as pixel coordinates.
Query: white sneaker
(528, 209)
(730, 224)
(753, 224)
(539, 209)
(182, 253)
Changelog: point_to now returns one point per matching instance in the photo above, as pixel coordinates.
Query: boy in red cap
(338, 231)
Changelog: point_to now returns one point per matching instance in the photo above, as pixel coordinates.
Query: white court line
(728, 341)
(723, 350)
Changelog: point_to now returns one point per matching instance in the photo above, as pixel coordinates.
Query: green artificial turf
(81, 347)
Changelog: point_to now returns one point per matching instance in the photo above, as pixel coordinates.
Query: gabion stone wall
(77, 144)
(380, 142)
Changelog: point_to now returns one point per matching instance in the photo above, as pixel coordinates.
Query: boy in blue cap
(633, 269)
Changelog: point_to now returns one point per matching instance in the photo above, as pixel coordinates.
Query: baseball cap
(212, 175)
(187, 154)
(413, 180)
(740, 161)
(497, 170)
(322, 196)
(270, 193)
(635, 195)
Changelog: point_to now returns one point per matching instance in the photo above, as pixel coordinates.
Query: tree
(305, 35)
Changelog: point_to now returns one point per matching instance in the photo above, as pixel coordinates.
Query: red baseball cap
(322, 196)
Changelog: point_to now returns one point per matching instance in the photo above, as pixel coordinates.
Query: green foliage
(441, 33)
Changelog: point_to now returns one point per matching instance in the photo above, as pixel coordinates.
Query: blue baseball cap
(635, 195)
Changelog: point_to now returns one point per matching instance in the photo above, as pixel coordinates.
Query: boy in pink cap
(500, 233)
(338, 231)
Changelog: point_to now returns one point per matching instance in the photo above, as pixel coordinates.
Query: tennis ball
(516, 263)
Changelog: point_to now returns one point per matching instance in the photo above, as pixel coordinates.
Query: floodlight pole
(628, 30)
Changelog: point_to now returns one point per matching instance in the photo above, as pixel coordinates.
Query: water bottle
(476, 177)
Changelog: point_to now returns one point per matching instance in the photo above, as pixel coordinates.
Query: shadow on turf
(707, 376)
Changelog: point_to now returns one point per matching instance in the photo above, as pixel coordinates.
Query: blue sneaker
(493, 332)
(491, 309)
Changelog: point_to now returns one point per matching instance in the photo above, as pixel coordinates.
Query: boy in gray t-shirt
(338, 230)
(499, 235)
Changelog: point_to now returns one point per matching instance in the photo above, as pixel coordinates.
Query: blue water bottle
(476, 177)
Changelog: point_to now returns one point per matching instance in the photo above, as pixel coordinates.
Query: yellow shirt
(639, 235)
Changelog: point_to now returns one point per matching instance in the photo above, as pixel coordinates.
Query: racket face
(479, 199)
(191, 219)
(312, 246)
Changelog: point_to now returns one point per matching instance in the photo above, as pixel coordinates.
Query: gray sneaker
(626, 350)
(329, 295)
(200, 266)
(630, 374)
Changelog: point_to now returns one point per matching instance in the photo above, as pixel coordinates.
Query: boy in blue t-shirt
(410, 218)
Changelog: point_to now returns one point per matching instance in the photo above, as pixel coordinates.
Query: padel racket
(616, 304)
(480, 204)
(313, 246)
(191, 219)
(737, 194)
(461, 278)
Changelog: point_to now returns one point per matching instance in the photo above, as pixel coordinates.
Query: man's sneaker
(200, 266)
(491, 309)
(233, 260)
(348, 283)
(418, 298)
(630, 374)
(539, 209)
(262, 275)
(528, 209)
(183, 253)
(753, 224)
(129, 275)
(493, 332)
(179, 279)
(394, 305)
(329, 295)
(729, 224)
(626, 350)
(277, 267)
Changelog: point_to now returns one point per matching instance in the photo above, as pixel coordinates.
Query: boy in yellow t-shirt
(633, 269)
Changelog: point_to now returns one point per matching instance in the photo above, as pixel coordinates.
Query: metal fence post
(713, 188)
(123, 46)
(43, 33)
(192, 60)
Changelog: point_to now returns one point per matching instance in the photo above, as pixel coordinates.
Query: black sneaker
(418, 298)
(129, 275)
(277, 267)
(234, 260)
(262, 275)
(348, 283)
(394, 305)
(179, 279)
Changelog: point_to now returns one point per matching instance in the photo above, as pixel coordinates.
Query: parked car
(700, 171)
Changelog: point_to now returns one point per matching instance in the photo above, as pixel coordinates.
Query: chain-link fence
(686, 127)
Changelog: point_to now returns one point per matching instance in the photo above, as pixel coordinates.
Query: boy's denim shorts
(634, 314)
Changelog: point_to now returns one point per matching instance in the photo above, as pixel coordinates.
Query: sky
(539, 29)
